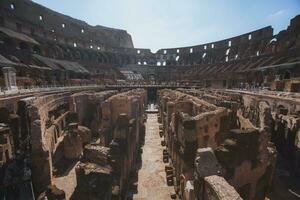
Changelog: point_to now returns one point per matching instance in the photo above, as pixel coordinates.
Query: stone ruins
(85, 115)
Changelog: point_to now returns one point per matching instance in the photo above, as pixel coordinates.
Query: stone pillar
(72, 143)
(40, 159)
(206, 164)
(10, 78)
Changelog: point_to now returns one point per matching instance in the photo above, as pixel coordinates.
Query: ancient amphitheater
(85, 115)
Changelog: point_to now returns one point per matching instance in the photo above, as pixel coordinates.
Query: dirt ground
(152, 177)
(151, 183)
(67, 181)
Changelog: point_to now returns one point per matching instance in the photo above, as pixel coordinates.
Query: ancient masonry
(85, 115)
(220, 144)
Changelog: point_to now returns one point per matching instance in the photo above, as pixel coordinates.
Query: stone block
(217, 188)
(93, 182)
(72, 147)
(85, 134)
(95, 153)
(206, 163)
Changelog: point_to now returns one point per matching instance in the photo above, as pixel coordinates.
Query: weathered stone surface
(6, 145)
(96, 153)
(206, 163)
(93, 181)
(239, 135)
(85, 134)
(217, 188)
(53, 193)
(123, 118)
(72, 147)
(72, 143)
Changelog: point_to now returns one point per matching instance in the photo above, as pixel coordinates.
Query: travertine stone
(217, 188)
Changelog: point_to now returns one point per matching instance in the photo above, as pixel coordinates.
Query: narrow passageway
(152, 177)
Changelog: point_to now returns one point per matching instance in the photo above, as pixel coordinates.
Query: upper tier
(265, 33)
(46, 22)
(46, 47)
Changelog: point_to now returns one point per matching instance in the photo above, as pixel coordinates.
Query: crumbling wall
(53, 138)
(241, 143)
(41, 137)
(6, 147)
(123, 131)
(280, 116)
(94, 174)
(87, 106)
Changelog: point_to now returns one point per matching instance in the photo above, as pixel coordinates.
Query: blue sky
(157, 24)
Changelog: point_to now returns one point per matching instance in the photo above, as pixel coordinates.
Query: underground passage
(87, 115)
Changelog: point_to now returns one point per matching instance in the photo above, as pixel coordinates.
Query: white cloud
(277, 14)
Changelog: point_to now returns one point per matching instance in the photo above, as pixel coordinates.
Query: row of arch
(66, 52)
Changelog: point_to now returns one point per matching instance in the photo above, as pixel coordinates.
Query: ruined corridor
(86, 115)
(151, 177)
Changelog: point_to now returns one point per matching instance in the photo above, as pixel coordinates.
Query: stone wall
(52, 137)
(240, 147)
(123, 132)
(87, 105)
(94, 174)
(104, 132)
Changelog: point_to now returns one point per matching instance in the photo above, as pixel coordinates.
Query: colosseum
(84, 115)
